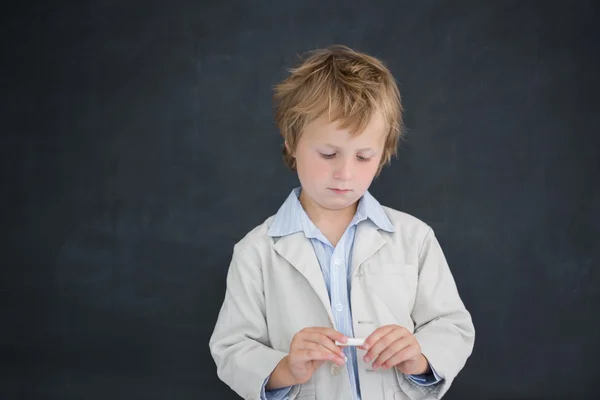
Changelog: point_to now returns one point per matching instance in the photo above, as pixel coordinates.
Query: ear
(289, 150)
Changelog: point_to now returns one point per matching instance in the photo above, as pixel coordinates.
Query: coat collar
(292, 218)
(292, 227)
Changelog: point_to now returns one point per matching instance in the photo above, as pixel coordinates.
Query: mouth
(340, 191)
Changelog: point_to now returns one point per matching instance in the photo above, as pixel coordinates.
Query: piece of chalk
(351, 342)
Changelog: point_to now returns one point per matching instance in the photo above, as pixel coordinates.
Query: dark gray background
(138, 146)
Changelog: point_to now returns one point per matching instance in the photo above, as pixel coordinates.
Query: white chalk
(351, 342)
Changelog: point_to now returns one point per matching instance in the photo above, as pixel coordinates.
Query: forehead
(323, 130)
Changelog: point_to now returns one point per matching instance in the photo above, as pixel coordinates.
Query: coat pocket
(400, 396)
(388, 268)
(307, 392)
(306, 396)
(395, 284)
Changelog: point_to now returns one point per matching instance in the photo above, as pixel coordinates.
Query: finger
(403, 355)
(377, 335)
(320, 339)
(316, 355)
(330, 333)
(309, 345)
(384, 342)
(391, 350)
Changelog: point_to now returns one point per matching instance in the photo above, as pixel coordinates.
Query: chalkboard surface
(138, 145)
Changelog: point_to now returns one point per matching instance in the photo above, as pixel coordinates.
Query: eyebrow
(337, 148)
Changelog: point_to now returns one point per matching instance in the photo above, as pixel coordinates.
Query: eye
(363, 159)
(327, 156)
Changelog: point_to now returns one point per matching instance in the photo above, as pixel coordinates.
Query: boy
(334, 264)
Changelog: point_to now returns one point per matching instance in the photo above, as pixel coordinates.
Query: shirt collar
(292, 218)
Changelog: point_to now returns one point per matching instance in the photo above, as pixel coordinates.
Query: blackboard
(138, 145)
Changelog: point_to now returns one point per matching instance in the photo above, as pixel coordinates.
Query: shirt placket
(340, 303)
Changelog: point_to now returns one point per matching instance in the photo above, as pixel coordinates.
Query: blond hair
(348, 85)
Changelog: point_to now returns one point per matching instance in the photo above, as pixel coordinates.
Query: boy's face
(335, 168)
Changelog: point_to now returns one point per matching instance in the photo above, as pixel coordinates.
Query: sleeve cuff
(277, 394)
(426, 380)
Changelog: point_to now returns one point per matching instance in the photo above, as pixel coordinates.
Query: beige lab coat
(275, 288)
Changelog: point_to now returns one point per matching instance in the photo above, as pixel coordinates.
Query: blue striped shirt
(334, 262)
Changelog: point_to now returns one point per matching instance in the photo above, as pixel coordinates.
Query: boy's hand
(309, 349)
(394, 346)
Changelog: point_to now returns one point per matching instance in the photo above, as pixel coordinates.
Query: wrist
(281, 376)
(423, 366)
(419, 366)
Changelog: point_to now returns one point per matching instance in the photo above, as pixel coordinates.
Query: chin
(338, 204)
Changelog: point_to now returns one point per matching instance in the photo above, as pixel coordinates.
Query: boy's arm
(443, 326)
(426, 379)
(240, 343)
(274, 394)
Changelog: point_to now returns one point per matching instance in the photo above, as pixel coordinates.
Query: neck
(319, 215)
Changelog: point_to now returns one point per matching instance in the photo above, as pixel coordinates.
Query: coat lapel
(367, 242)
(298, 251)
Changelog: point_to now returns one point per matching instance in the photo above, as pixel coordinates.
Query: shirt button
(335, 369)
(339, 307)
(337, 261)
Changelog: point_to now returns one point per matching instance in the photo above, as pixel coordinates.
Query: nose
(343, 169)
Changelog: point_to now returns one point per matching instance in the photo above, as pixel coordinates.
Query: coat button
(335, 369)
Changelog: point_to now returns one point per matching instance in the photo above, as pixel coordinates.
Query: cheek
(367, 172)
(320, 169)
(313, 168)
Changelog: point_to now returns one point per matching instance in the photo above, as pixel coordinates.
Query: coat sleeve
(443, 326)
(240, 341)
